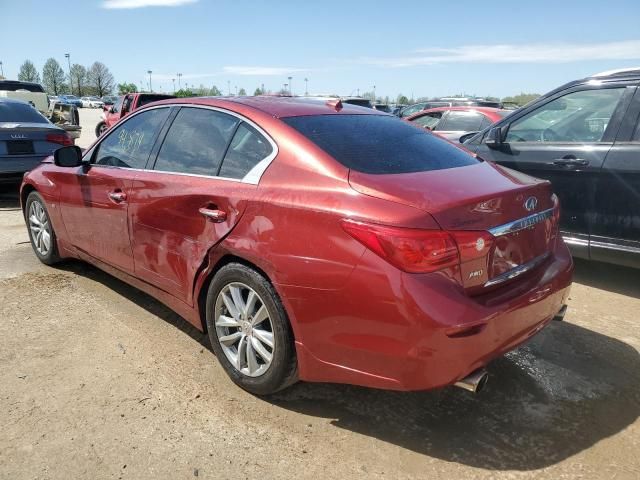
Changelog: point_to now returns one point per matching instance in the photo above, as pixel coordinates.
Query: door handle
(118, 196)
(216, 216)
(571, 162)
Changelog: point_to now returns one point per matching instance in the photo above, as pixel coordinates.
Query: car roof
(13, 100)
(491, 111)
(278, 106)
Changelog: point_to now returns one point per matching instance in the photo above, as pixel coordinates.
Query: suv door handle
(571, 162)
(118, 196)
(216, 216)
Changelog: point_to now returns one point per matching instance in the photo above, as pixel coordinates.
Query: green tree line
(95, 79)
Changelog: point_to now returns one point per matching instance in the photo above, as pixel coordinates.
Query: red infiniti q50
(312, 241)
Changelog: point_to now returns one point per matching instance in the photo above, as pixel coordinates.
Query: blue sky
(412, 47)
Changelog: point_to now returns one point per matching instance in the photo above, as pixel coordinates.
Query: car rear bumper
(417, 332)
(14, 167)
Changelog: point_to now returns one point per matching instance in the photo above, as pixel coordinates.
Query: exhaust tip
(474, 382)
(560, 315)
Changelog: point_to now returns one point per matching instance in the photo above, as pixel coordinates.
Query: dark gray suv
(585, 138)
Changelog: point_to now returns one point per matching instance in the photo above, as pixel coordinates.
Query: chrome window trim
(521, 223)
(252, 177)
(614, 246)
(517, 271)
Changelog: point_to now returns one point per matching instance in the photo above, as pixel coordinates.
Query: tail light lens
(420, 251)
(59, 138)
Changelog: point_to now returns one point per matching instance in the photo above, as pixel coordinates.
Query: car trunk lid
(508, 218)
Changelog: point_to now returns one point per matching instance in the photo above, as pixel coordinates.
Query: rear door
(565, 140)
(192, 198)
(615, 227)
(94, 200)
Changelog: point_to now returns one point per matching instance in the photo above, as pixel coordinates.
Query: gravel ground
(101, 381)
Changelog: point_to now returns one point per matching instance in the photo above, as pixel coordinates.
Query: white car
(91, 102)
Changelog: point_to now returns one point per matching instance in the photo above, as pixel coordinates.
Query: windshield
(20, 113)
(379, 144)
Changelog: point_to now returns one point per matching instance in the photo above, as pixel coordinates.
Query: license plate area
(20, 147)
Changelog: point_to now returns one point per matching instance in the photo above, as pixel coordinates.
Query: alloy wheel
(244, 329)
(40, 228)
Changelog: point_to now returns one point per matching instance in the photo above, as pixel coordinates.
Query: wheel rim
(103, 127)
(40, 228)
(244, 329)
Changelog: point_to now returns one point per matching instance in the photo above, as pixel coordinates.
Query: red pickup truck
(125, 105)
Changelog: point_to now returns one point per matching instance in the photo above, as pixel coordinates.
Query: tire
(41, 233)
(234, 281)
(100, 129)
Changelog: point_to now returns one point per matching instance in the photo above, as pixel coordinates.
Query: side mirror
(494, 138)
(467, 136)
(70, 156)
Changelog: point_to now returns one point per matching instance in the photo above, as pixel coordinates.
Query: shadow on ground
(560, 394)
(566, 390)
(612, 278)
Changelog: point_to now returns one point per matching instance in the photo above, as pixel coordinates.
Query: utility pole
(236, 90)
(229, 87)
(68, 57)
(174, 84)
(374, 94)
(179, 81)
(1, 69)
(262, 89)
(306, 87)
(150, 88)
(284, 89)
(290, 86)
(358, 92)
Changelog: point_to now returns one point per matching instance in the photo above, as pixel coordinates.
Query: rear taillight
(59, 138)
(420, 251)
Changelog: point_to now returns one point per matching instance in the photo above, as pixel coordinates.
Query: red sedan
(453, 122)
(311, 240)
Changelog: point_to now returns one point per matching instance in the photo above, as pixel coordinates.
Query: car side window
(410, 110)
(461, 121)
(196, 142)
(118, 105)
(580, 116)
(247, 149)
(129, 145)
(429, 120)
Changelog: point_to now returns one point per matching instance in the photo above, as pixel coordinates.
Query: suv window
(580, 116)
(461, 121)
(429, 120)
(147, 98)
(196, 142)
(129, 145)
(247, 149)
(379, 144)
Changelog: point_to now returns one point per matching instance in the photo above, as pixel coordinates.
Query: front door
(94, 199)
(192, 198)
(566, 141)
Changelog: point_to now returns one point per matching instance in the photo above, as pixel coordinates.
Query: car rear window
(379, 144)
(20, 113)
(145, 99)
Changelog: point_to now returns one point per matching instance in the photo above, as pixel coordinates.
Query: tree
(402, 100)
(215, 91)
(184, 92)
(242, 92)
(53, 77)
(28, 72)
(100, 79)
(258, 91)
(124, 88)
(78, 78)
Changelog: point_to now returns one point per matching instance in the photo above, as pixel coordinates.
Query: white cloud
(113, 4)
(260, 71)
(514, 53)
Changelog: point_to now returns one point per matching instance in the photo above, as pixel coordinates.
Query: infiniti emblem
(530, 204)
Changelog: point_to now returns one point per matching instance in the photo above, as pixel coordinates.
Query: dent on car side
(288, 226)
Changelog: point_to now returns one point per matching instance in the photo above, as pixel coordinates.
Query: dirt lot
(101, 381)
